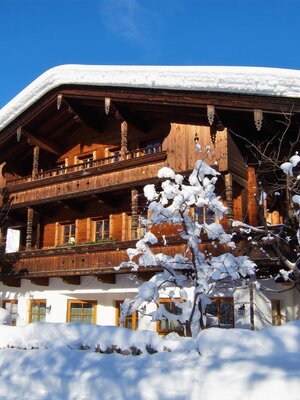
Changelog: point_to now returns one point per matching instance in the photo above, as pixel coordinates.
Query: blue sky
(36, 35)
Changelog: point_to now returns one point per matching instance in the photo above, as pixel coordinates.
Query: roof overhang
(235, 80)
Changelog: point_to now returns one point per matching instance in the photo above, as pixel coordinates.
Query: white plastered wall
(58, 293)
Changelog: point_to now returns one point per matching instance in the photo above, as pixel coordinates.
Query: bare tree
(276, 162)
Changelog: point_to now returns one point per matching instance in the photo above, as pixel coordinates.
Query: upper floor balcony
(88, 176)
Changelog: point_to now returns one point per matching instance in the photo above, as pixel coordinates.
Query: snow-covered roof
(243, 80)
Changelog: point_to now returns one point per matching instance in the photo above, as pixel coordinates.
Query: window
(130, 322)
(220, 312)
(204, 215)
(276, 312)
(101, 229)
(165, 326)
(86, 159)
(83, 311)
(12, 307)
(68, 233)
(37, 312)
(151, 147)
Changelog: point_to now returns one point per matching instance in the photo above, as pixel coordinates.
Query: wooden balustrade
(62, 170)
(82, 259)
(102, 258)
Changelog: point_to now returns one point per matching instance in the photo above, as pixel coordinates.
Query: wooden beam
(14, 282)
(107, 278)
(42, 281)
(64, 127)
(74, 114)
(44, 144)
(72, 279)
(69, 205)
(145, 275)
(134, 119)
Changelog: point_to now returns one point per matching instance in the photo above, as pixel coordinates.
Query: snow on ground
(247, 80)
(234, 364)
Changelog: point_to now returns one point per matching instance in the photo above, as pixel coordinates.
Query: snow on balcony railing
(62, 170)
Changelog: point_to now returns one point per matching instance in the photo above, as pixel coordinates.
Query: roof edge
(241, 80)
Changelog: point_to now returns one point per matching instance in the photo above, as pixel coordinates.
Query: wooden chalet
(74, 162)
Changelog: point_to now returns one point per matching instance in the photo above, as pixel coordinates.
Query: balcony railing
(82, 259)
(86, 165)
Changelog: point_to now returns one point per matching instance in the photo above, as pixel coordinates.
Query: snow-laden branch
(176, 202)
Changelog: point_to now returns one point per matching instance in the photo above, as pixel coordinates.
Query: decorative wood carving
(29, 228)
(35, 165)
(124, 148)
(229, 198)
(258, 119)
(59, 101)
(134, 213)
(211, 114)
(107, 105)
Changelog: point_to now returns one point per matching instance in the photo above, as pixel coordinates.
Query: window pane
(226, 314)
(101, 229)
(81, 312)
(220, 313)
(130, 322)
(165, 325)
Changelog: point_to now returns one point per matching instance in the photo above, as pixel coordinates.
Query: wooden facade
(73, 171)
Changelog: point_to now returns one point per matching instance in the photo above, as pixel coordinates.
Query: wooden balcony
(77, 260)
(100, 260)
(88, 177)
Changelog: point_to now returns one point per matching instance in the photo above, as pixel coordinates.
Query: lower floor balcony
(99, 259)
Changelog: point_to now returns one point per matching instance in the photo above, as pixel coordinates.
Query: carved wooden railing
(83, 259)
(93, 259)
(86, 165)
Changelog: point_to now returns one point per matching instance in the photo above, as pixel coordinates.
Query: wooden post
(134, 213)
(35, 165)
(29, 228)
(3, 234)
(251, 294)
(252, 192)
(123, 140)
(2, 177)
(38, 231)
(229, 199)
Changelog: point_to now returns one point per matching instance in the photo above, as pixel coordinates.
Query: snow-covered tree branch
(176, 202)
(283, 240)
